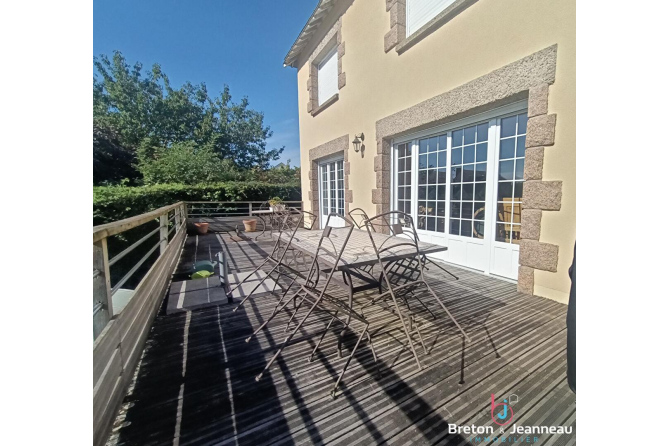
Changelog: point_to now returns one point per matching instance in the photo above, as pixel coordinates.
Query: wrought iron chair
(314, 294)
(410, 269)
(285, 261)
(358, 216)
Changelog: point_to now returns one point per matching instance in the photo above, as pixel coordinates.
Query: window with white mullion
(332, 188)
(340, 186)
(403, 178)
(469, 147)
(432, 183)
(332, 178)
(512, 152)
(325, 204)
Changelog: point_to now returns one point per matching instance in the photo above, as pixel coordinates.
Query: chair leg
(351, 305)
(447, 311)
(424, 306)
(407, 333)
(295, 311)
(417, 328)
(284, 295)
(255, 288)
(249, 275)
(372, 347)
(287, 340)
(427, 260)
(346, 364)
(266, 322)
(323, 335)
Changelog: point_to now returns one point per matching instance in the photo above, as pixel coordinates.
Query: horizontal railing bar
(125, 278)
(235, 202)
(97, 307)
(216, 208)
(213, 213)
(116, 227)
(120, 255)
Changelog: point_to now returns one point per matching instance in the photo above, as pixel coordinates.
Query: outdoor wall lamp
(358, 143)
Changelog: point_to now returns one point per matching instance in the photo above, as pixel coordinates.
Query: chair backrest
(395, 223)
(332, 243)
(289, 224)
(391, 233)
(358, 216)
(294, 218)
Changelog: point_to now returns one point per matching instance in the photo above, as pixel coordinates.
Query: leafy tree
(187, 163)
(112, 162)
(148, 112)
(279, 174)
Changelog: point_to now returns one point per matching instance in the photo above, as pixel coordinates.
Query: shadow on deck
(195, 382)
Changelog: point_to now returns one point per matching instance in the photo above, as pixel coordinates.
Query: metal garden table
(262, 214)
(359, 256)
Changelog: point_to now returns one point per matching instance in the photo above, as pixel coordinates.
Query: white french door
(508, 190)
(463, 186)
(331, 191)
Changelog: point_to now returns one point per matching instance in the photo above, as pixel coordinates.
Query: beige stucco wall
(484, 37)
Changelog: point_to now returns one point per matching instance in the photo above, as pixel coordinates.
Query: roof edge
(321, 10)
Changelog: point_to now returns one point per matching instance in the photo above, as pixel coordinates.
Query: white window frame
(322, 163)
(493, 118)
(324, 93)
(420, 12)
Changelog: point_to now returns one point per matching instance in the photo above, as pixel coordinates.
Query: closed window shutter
(327, 77)
(420, 12)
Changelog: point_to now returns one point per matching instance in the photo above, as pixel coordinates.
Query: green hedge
(111, 203)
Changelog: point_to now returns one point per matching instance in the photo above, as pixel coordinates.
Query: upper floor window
(327, 76)
(420, 12)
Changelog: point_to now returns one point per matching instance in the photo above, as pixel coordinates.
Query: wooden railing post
(164, 231)
(177, 217)
(251, 208)
(103, 309)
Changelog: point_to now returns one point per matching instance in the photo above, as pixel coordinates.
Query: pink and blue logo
(501, 413)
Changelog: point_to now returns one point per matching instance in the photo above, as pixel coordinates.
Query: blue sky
(239, 43)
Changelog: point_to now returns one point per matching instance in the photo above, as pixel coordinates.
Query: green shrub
(111, 203)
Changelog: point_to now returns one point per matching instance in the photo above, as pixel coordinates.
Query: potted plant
(249, 225)
(202, 227)
(276, 204)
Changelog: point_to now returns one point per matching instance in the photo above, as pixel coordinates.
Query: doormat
(190, 295)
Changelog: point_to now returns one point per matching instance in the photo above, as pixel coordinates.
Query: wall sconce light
(358, 143)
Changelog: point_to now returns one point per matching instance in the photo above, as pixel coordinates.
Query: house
(458, 112)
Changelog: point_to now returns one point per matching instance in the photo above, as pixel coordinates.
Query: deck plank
(196, 376)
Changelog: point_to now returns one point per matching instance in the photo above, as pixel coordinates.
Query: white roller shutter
(327, 77)
(420, 12)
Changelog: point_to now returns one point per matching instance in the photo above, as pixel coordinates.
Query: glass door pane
(432, 183)
(469, 148)
(403, 178)
(511, 157)
(332, 189)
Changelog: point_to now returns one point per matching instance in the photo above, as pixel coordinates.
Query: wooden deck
(195, 382)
